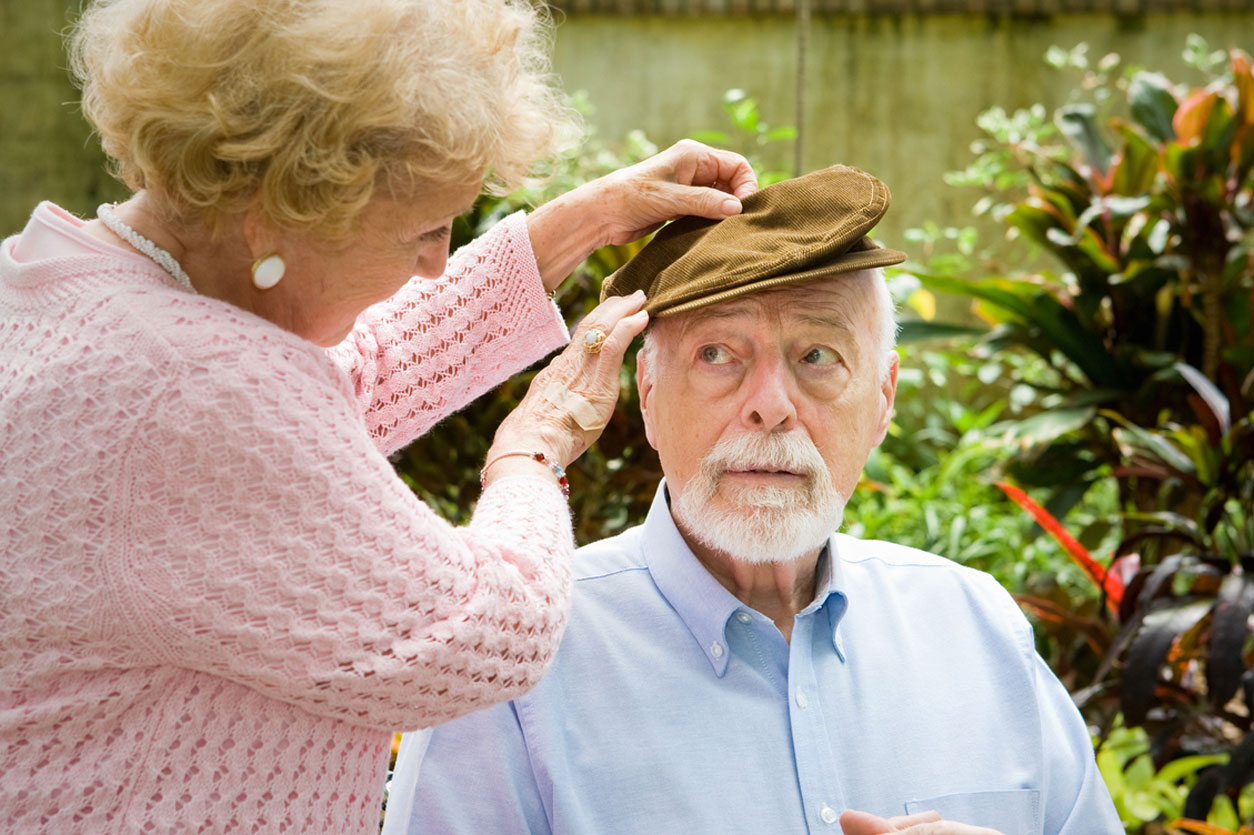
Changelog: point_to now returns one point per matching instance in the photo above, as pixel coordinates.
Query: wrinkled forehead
(845, 303)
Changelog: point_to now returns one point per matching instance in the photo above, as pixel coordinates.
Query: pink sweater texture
(217, 600)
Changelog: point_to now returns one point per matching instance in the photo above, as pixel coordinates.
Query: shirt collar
(702, 601)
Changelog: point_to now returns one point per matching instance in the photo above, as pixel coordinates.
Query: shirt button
(716, 649)
(802, 701)
(828, 814)
(743, 617)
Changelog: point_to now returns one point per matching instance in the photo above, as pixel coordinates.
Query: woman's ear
(260, 235)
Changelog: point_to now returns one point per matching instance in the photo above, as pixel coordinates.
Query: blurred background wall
(894, 93)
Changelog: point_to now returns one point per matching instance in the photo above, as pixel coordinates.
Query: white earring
(268, 271)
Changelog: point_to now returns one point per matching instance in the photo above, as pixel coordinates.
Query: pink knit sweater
(217, 600)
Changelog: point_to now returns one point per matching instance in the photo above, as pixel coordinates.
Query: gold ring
(593, 339)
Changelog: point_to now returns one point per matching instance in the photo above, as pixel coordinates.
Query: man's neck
(779, 590)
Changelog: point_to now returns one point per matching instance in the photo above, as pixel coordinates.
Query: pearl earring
(268, 271)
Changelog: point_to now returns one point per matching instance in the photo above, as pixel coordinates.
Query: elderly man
(731, 665)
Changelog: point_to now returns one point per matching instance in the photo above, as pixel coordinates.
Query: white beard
(761, 524)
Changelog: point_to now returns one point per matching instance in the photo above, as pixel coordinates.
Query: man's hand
(924, 823)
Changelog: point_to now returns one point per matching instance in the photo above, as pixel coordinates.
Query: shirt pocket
(1010, 812)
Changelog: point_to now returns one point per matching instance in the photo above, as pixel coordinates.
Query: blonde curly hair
(312, 105)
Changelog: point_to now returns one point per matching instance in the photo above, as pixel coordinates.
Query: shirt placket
(821, 792)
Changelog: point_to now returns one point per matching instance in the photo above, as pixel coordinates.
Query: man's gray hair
(885, 314)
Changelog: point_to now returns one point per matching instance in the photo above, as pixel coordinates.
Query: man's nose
(769, 396)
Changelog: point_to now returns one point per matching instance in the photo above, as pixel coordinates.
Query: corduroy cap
(795, 230)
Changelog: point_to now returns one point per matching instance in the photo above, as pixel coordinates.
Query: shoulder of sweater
(183, 331)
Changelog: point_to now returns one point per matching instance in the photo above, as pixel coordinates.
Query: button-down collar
(703, 603)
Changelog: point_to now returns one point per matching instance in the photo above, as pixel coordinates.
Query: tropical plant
(1140, 191)
(1143, 794)
(1150, 217)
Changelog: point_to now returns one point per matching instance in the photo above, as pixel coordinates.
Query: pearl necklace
(162, 258)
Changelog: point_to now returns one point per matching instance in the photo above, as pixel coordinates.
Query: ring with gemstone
(593, 339)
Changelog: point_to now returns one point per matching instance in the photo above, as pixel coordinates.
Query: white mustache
(770, 453)
(760, 523)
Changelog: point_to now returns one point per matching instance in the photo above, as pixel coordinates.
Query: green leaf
(1037, 310)
(1137, 166)
(1212, 396)
(916, 330)
(1050, 425)
(1112, 772)
(1223, 815)
(1134, 441)
(1099, 256)
(711, 137)
(1153, 104)
(1177, 770)
(1038, 224)
(776, 134)
(1078, 122)
(1221, 128)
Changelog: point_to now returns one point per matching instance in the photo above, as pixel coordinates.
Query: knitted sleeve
(265, 539)
(439, 343)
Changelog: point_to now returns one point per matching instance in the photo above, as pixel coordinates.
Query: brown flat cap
(796, 230)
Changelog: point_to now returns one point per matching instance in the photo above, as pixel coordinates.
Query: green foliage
(750, 134)
(1143, 794)
(1139, 191)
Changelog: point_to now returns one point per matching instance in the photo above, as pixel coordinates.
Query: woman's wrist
(566, 230)
(522, 462)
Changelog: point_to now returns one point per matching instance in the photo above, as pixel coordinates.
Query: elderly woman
(217, 601)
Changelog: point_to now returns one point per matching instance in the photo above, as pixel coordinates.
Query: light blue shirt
(910, 683)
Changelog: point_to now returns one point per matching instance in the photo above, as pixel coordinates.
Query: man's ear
(888, 396)
(644, 385)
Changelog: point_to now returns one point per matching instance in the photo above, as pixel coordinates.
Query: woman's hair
(312, 105)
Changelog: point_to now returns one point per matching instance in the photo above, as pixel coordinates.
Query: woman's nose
(432, 259)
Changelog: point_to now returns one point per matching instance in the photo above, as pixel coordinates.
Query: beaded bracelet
(540, 457)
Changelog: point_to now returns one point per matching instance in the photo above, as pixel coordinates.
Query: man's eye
(715, 354)
(821, 356)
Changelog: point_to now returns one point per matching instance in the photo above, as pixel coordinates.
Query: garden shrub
(1140, 192)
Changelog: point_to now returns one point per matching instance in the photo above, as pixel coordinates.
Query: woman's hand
(570, 401)
(686, 179)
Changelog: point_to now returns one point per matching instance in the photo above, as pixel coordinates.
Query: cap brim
(847, 263)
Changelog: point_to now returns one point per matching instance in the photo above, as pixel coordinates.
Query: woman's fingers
(708, 182)
(686, 179)
(597, 350)
(571, 400)
(609, 358)
(726, 171)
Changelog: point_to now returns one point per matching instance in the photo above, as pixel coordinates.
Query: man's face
(763, 410)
